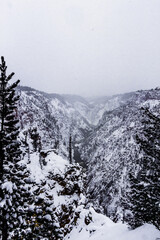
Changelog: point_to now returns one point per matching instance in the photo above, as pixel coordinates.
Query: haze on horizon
(84, 47)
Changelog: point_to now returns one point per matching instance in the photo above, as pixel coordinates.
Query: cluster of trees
(22, 214)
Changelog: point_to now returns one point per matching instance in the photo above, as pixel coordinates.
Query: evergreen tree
(145, 186)
(24, 213)
(13, 189)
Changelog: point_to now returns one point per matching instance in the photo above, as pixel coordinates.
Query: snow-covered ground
(102, 228)
(54, 163)
(99, 226)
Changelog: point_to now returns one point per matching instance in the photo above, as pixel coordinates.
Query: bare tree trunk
(1, 157)
(4, 226)
(70, 149)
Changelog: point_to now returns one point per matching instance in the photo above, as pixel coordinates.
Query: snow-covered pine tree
(145, 187)
(13, 190)
(24, 214)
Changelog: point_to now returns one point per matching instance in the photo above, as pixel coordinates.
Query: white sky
(85, 47)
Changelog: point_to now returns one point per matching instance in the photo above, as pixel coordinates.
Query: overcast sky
(85, 47)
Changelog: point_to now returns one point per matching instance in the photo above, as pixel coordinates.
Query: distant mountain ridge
(94, 107)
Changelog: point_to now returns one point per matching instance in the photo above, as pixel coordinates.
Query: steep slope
(99, 105)
(53, 118)
(57, 207)
(103, 137)
(111, 152)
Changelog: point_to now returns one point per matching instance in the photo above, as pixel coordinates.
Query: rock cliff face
(103, 135)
